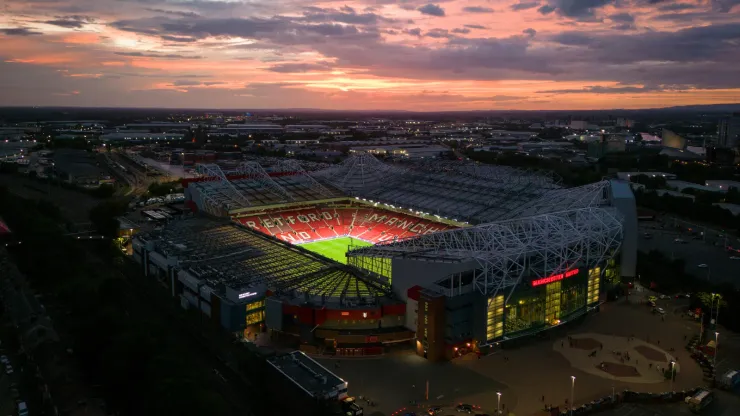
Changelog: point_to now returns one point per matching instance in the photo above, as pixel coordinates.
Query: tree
(104, 217)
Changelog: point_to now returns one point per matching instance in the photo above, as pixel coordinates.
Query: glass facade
(552, 302)
(572, 295)
(594, 281)
(495, 321)
(255, 312)
(525, 313)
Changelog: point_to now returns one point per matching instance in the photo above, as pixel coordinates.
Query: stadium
(450, 255)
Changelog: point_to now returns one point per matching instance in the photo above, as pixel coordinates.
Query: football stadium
(450, 256)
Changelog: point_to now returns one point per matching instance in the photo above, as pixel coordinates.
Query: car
(664, 297)
(702, 266)
(464, 408)
(659, 310)
(8, 370)
(734, 258)
(434, 410)
(651, 303)
(4, 359)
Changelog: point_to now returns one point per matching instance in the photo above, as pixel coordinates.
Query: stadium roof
(456, 190)
(220, 252)
(582, 230)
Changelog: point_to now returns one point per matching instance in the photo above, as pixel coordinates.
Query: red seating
(312, 224)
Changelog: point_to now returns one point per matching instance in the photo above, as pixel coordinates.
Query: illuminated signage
(345, 313)
(554, 278)
(246, 295)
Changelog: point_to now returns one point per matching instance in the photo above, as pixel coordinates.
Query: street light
(572, 389)
(716, 346)
(498, 406)
(673, 371)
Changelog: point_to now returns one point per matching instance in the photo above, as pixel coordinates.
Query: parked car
(464, 408)
(702, 266)
(434, 410)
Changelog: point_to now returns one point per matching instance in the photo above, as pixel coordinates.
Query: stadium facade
(461, 256)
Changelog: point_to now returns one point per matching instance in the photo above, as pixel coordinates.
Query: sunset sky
(370, 54)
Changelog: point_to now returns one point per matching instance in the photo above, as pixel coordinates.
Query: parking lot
(696, 250)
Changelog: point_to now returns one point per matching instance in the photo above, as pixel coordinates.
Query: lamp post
(716, 347)
(673, 372)
(572, 389)
(498, 405)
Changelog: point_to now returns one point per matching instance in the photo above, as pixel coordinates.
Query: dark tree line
(134, 356)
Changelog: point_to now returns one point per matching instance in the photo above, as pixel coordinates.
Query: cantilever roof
(224, 253)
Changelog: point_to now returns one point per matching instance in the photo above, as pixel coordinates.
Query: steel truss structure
(223, 196)
(254, 171)
(292, 166)
(359, 172)
(462, 191)
(507, 251)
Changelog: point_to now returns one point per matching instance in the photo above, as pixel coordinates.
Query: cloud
(300, 67)
(575, 9)
(603, 90)
(460, 30)
(432, 10)
(478, 9)
(529, 32)
(622, 18)
(526, 5)
(70, 22)
(413, 32)
(546, 9)
(475, 27)
(157, 55)
(174, 12)
(438, 33)
(19, 31)
(184, 39)
(677, 7)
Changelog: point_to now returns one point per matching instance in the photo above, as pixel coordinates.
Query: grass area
(336, 248)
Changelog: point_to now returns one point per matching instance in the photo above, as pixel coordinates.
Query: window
(594, 279)
(495, 318)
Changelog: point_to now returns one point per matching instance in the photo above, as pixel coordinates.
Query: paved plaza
(542, 367)
(616, 358)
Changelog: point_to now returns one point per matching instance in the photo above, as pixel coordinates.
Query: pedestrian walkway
(616, 358)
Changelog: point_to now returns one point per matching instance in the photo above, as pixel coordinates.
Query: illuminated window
(255, 317)
(552, 302)
(594, 280)
(495, 318)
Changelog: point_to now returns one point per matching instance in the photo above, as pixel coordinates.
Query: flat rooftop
(312, 377)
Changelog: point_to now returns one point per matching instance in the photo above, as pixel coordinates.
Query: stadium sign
(247, 295)
(554, 278)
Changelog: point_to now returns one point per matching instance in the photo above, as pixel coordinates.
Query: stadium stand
(373, 225)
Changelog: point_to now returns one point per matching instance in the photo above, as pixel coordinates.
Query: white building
(681, 185)
(723, 185)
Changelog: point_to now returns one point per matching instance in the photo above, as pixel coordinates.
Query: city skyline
(370, 54)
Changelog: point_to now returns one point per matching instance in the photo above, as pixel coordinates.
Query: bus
(700, 400)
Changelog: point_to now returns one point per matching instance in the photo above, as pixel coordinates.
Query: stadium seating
(319, 223)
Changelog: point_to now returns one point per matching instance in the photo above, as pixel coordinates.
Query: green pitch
(336, 248)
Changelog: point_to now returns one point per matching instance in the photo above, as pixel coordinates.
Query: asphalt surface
(697, 250)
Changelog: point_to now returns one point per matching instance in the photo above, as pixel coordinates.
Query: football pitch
(336, 248)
